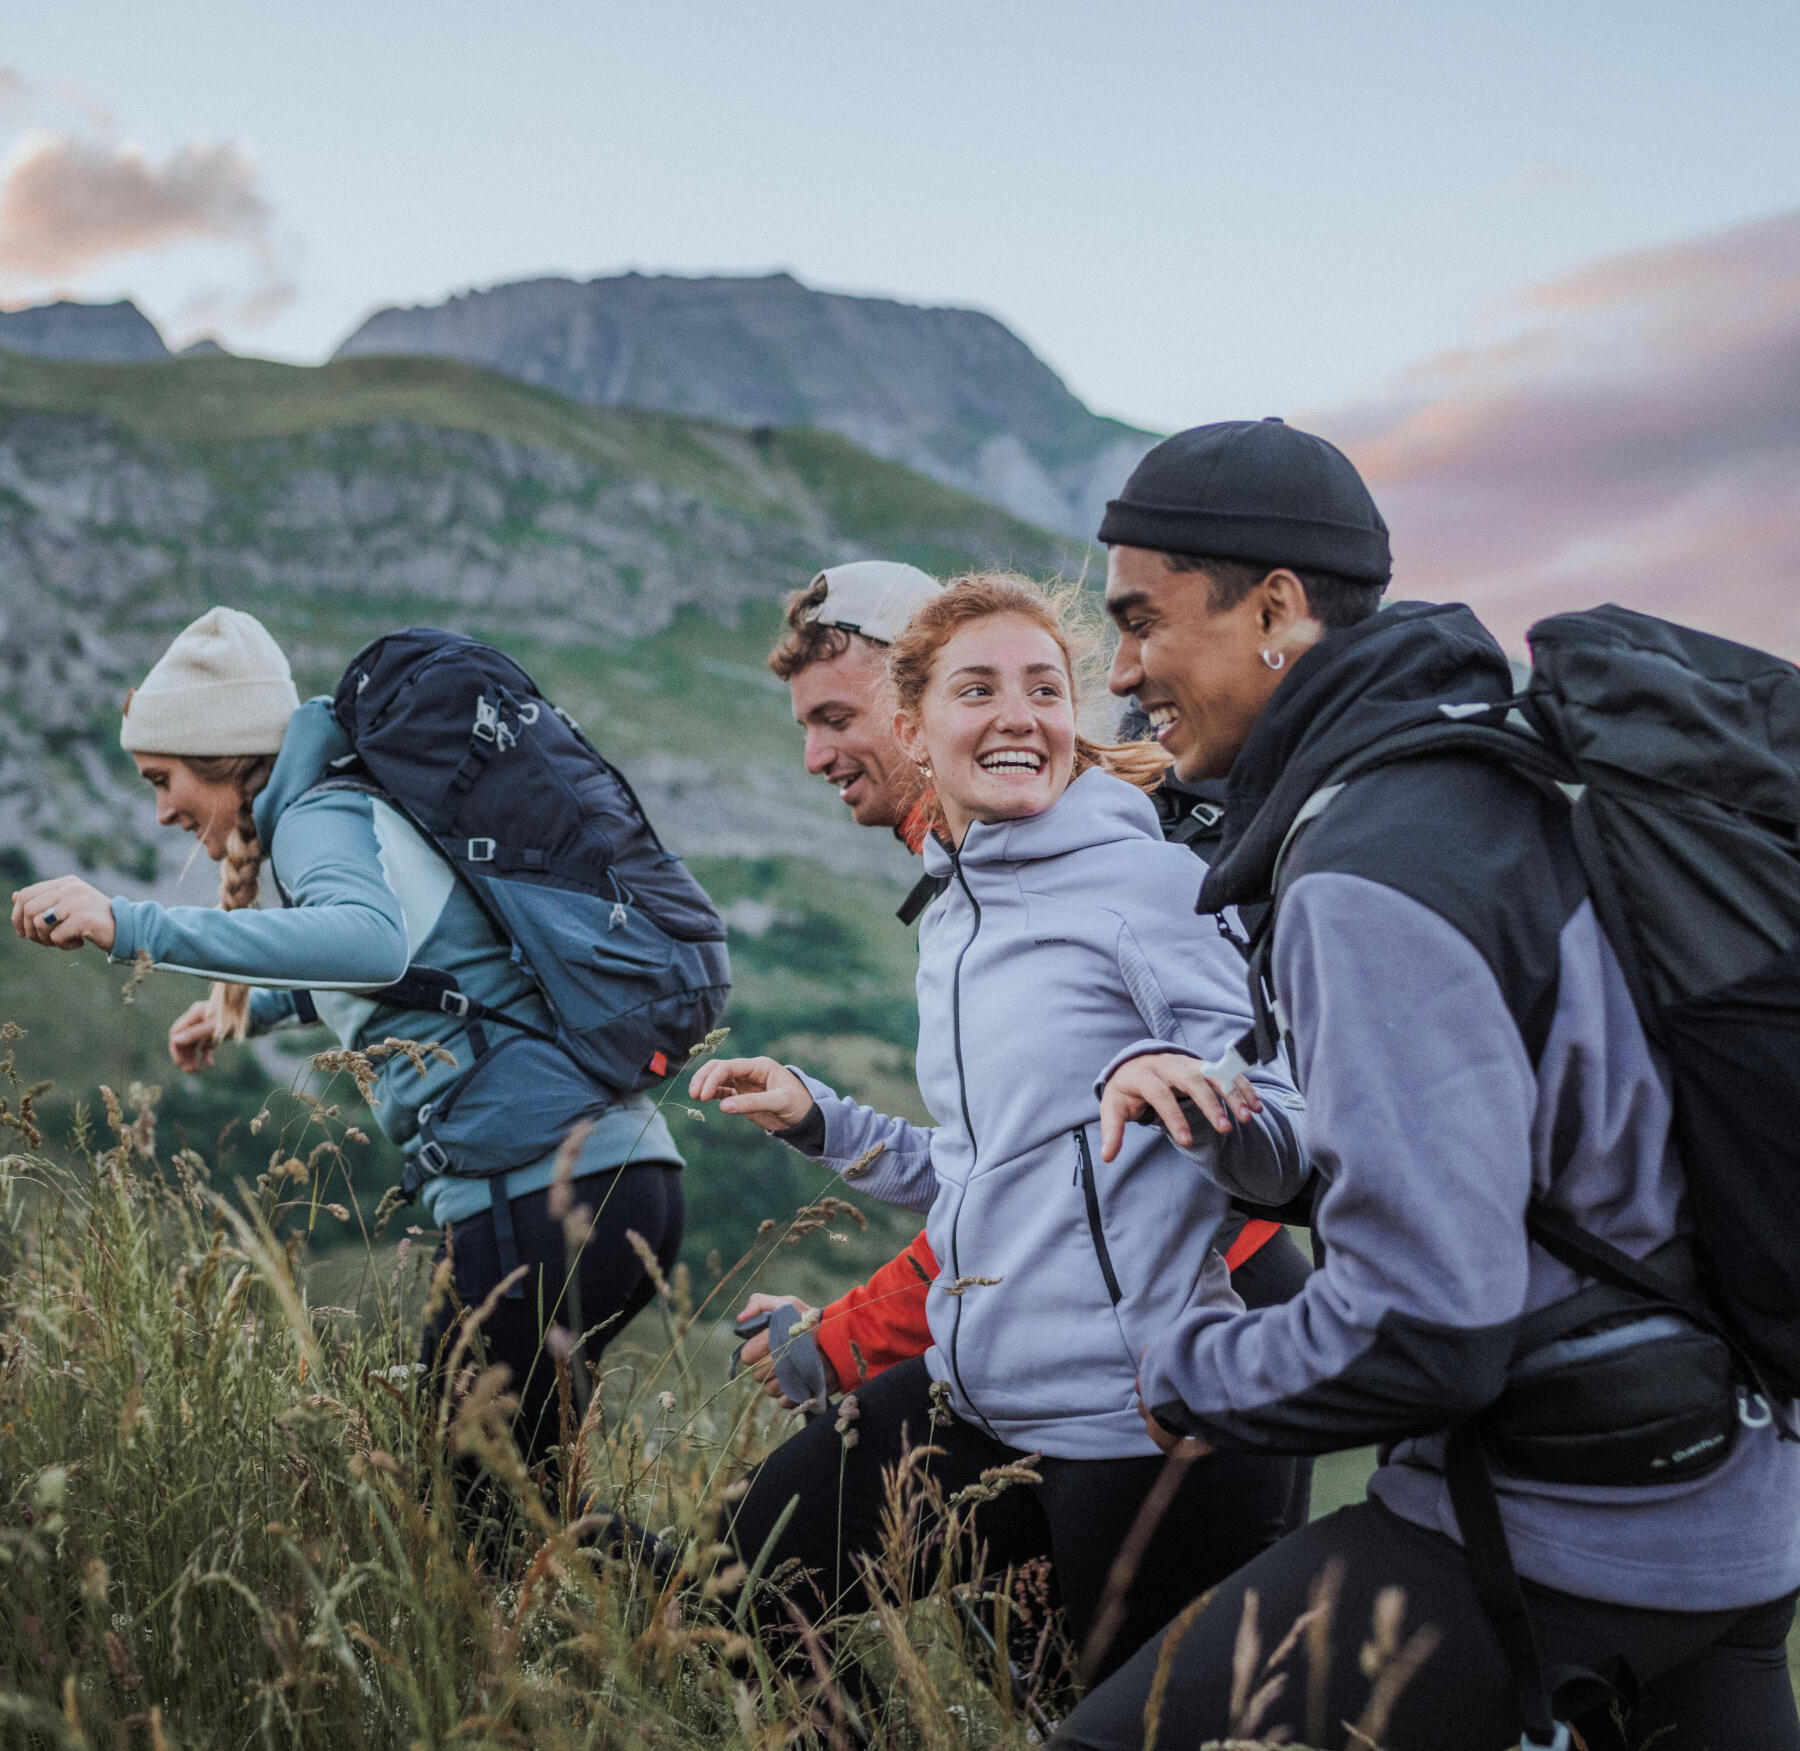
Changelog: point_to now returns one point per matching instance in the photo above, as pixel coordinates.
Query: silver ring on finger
(49, 917)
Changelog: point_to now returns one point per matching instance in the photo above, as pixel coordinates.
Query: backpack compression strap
(429, 989)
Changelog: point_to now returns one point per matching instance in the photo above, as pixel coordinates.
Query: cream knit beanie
(223, 687)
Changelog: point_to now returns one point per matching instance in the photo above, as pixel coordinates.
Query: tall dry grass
(231, 1516)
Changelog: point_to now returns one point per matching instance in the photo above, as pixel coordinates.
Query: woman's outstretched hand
(764, 1092)
(191, 1039)
(63, 913)
(1152, 1088)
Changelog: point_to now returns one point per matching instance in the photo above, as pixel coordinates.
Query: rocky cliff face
(106, 334)
(951, 393)
(617, 551)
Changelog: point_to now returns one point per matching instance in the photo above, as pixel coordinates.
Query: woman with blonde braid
(220, 735)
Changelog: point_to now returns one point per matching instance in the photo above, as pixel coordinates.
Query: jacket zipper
(962, 1095)
(1090, 1194)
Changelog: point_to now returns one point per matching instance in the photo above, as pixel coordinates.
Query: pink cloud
(1641, 443)
(68, 204)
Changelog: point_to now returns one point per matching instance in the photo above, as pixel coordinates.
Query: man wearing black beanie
(1468, 1047)
(1283, 535)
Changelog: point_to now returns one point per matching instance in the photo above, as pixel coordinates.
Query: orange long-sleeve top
(879, 1322)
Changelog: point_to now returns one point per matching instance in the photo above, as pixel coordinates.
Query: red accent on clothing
(659, 1064)
(1252, 1238)
(884, 1318)
(912, 833)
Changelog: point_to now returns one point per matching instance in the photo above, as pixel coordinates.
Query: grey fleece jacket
(1466, 1043)
(1060, 940)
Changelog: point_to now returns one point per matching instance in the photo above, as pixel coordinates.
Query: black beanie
(1254, 490)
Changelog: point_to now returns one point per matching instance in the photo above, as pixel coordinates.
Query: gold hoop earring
(1276, 661)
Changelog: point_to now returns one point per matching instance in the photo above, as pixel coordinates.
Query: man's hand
(1167, 1441)
(766, 1093)
(191, 1039)
(63, 913)
(1152, 1087)
(755, 1357)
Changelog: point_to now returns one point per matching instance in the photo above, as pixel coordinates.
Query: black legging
(609, 1286)
(1274, 1273)
(1226, 1509)
(1688, 1681)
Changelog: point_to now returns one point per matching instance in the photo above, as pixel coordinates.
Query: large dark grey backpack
(623, 944)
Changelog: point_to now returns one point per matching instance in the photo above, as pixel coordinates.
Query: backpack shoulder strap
(924, 891)
(1496, 1584)
(1480, 732)
(419, 988)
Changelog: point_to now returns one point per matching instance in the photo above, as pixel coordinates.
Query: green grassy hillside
(634, 562)
(783, 475)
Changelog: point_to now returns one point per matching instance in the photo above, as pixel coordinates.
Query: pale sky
(1193, 211)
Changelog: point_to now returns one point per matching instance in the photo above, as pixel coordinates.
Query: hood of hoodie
(1353, 687)
(1096, 809)
(313, 739)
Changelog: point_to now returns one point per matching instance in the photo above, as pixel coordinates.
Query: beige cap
(875, 597)
(223, 687)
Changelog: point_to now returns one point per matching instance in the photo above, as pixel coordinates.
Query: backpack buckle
(433, 1158)
(454, 1003)
(487, 721)
(480, 850)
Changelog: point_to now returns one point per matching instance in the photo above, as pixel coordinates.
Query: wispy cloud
(74, 199)
(1538, 179)
(66, 205)
(1638, 441)
(54, 106)
(15, 98)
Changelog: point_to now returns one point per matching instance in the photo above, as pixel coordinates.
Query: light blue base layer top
(634, 1132)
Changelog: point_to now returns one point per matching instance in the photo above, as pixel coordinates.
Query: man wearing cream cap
(833, 657)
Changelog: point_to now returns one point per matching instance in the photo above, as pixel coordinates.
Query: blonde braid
(240, 874)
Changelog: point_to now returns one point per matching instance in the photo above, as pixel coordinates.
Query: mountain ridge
(952, 393)
(71, 331)
(638, 558)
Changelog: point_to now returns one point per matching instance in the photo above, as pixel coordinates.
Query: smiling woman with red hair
(1064, 933)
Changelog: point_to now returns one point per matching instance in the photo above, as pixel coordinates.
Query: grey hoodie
(1060, 940)
(1467, 1043)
